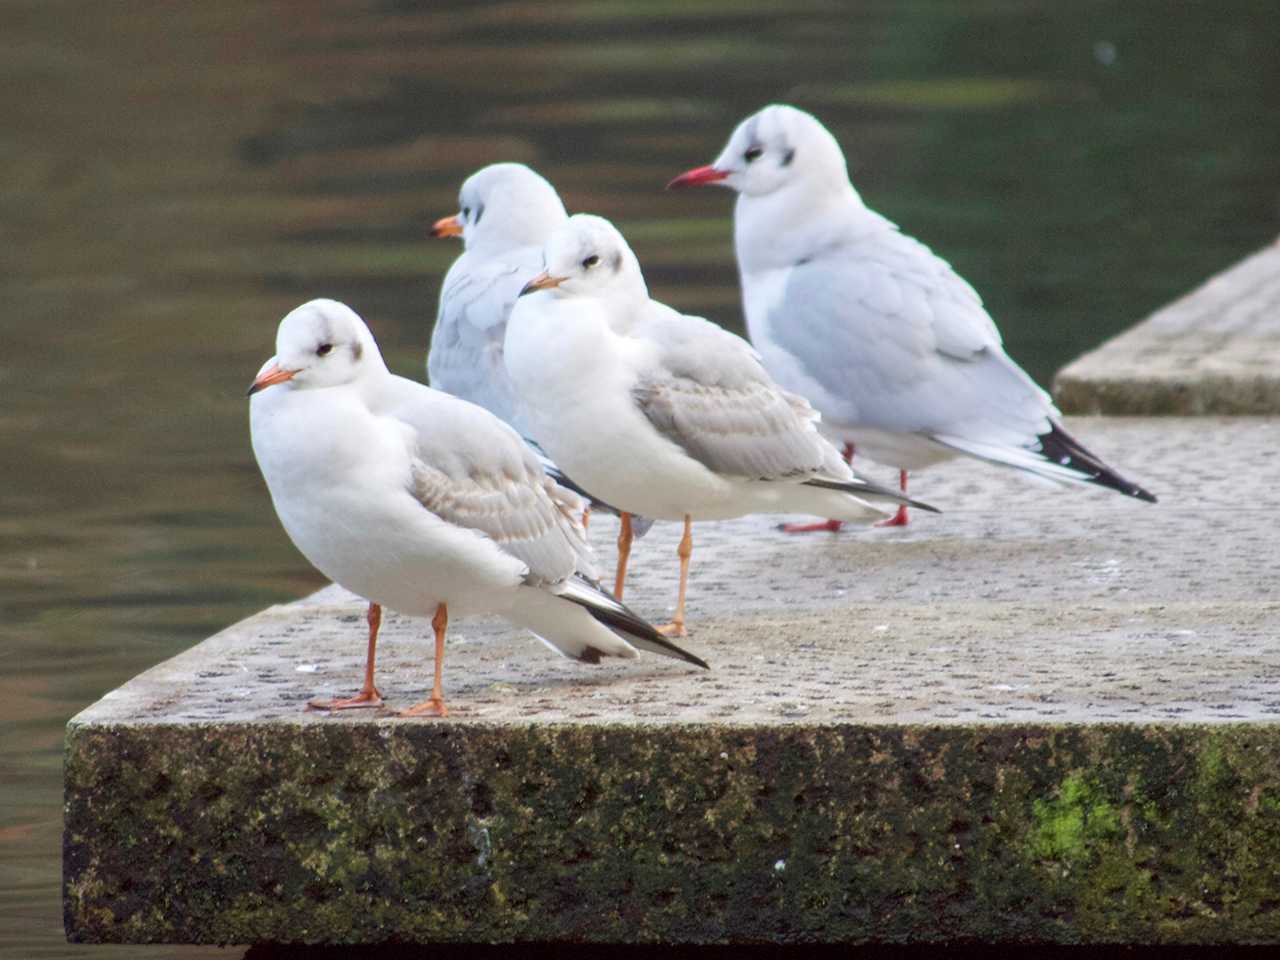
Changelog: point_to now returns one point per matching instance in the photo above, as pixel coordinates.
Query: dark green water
(176, 176)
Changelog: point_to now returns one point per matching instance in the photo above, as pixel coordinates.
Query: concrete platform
(1214, 351)
(1047, 715)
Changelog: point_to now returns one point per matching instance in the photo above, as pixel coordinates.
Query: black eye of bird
(753, 154)
(324, 349)
(590, 262)
(466, 212)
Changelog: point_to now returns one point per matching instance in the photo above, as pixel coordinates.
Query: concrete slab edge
(470, 832)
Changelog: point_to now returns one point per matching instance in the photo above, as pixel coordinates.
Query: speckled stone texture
(1046, 715)
(1214, 351)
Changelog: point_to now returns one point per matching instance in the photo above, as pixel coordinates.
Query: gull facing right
(892, 347)
(660, 412)
(422, 502)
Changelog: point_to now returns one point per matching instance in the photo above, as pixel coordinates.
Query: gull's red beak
(270, 377)
(698, 177)
(447, 227)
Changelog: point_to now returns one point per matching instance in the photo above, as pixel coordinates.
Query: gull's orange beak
(543, 281)
(698, 177)
(447, 227)
(270, 377)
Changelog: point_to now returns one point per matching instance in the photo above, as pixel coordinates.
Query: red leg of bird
(832, 526)
(624, 551)
(434, 705)
(900, 518)
(368, 695)
(676, 627)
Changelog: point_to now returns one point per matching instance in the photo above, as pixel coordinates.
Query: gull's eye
(466, 212)
(590, 262)
(753, 154)
(324, 349)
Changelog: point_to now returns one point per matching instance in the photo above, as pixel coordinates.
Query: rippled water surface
(177, 175)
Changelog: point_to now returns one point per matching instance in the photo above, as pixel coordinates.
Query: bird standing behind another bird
(506, 212)
(662, 413)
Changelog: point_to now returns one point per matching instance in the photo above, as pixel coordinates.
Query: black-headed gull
(662, 413)
(422, 502)
(506, 211)
(892, 347)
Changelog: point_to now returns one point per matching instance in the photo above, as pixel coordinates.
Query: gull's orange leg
(434, 705)
(586, 518)
(900, 518)
(832, 526)
(368, 695)
(676, 627)
(624, 551)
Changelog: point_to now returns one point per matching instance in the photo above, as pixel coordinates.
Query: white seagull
(506, 212)
(422, 502)
(662, 413)
(892, 347)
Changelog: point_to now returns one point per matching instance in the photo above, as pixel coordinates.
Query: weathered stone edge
(429, 832)
(1079, 391)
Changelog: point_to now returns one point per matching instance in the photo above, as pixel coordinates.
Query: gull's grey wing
(474, 471)
(708, 393)
(465, 358)
(898, 341)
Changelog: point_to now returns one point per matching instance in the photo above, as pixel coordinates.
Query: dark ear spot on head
(357, 351)
(788, 156)
(479, 213)
(615, 261)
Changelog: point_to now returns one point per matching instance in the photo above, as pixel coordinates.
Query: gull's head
(589, 257)
(322, 343)
(777, 147)
(501, 207)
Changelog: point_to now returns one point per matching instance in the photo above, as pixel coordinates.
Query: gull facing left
(422, 502)
(659, 412)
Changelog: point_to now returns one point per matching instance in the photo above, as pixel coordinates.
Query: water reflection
(178, 176)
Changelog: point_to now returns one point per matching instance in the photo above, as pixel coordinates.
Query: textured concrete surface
(1214, 351)
(1046, 714)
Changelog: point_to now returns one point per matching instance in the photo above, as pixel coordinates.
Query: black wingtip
(863, 488)
(617, 616)
(1061, 448)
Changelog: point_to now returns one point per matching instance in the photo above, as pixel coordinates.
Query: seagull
(506, 212)
(890, 345)
(662, 413)
(422, 502)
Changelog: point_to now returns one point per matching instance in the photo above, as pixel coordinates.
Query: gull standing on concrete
(662, 413)
(879, 334)
(506, 212)
(422, 502)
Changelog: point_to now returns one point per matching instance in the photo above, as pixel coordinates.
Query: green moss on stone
(361, 832)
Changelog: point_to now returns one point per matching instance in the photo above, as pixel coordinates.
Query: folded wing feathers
(755, 430)
(525, 513)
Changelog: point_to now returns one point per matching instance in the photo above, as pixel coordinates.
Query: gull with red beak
(890, 345)
(424, 503)
(662, 413)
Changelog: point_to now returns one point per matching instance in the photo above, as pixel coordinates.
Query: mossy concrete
(1046, 715)
(1214, 351)
(356, 833)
